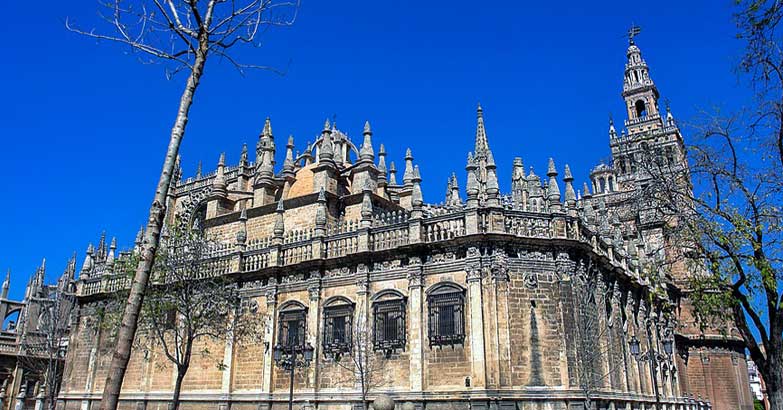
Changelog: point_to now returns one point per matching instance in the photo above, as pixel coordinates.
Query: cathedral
(533, 299)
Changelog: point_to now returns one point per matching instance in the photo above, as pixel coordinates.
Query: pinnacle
(408, 154)
(267, 132)
(567, 174)
(290, 141)
(367, 129)
(551, 170)
(416, 173)
(280, 207)
(381, 150)
(243, 215)
(326, 125)
(322, 195)
(222, 160)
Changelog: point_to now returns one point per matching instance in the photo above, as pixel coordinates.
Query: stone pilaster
(269, 336)
(314, 326)
(478, 355)
(416, 338)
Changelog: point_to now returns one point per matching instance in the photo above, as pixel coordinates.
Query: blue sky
(84, 125)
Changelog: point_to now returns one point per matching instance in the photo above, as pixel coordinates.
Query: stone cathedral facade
(474, 303)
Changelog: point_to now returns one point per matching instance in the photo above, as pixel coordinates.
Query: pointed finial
(267, 132)
(222, 159)
(243, 156)
(198, 170)
(481, 144)
(407, 176)
(567, 174)
(551, 170)
(366, 152)
(326, 125)
(322, 195)
(280, 207)
(392, 174)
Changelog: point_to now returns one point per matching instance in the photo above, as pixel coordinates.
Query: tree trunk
(181, 371)
(774, 381)
(127, 333)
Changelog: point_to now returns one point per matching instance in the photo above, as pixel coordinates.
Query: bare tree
(184, 34)
(42, 349)
(364, 366)
(189, 302)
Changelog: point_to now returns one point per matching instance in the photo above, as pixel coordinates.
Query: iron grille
(338, 327)
(389, 325)
(292, 328)
(446, 319)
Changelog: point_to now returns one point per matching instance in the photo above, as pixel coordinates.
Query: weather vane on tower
(633, 32)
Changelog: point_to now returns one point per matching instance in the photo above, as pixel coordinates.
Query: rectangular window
(446, 319)
(292, 328)
(337, 328)
(389, 326)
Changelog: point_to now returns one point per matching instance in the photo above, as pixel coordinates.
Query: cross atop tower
(633, 32)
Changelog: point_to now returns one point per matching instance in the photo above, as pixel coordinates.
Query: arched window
(292, 325)
(388, 321)
(446, 305)
(338, 326)
(641, 109)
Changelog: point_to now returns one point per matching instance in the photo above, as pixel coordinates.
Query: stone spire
(472, 187)
(452, 194)
(407, 176)
(669, 116)
(88, 262)
(493, 189)
(366, 152)
(392, 174)
(243, 162)
(111, 256)
(198, 170)
(536, 194)
(382, 166)
(6, 285)
(326, 152)
(219, 186)
(518, 185)
(288, 163)
(570, 194)
(612, 131)
(482, 144)
(553, 190)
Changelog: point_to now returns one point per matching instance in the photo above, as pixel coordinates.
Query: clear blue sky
(84, 125)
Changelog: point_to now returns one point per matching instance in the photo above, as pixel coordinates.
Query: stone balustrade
(384, 232)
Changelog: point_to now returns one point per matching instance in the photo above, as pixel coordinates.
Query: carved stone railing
(389, 237)
(257, 260)
(383, 232)
(341, 245)
(297, 252)
(443, 227)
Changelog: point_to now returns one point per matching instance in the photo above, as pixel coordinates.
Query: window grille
(292, 328)
(338, 328)
(389, 325)
(446, 318)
